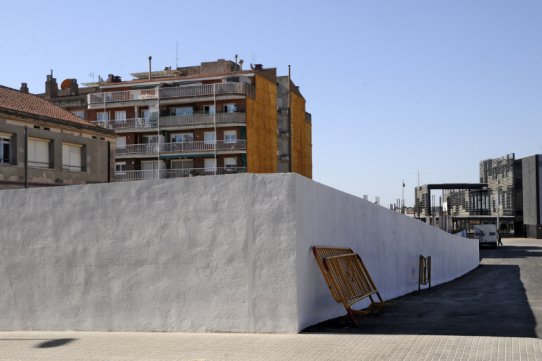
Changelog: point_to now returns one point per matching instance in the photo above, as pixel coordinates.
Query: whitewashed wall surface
(227, 253)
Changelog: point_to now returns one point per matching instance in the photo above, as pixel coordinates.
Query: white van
(486, 234)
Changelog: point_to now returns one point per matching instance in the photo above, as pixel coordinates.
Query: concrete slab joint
(225, 253)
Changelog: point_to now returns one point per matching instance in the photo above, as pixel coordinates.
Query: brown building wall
(301, 131)
(261, 118)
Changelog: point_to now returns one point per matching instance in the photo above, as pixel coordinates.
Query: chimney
(24, 88)
(51, 87)
(74, 87)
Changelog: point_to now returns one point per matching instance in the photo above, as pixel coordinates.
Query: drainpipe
(26, 157)
(290, 156)
(108, 162)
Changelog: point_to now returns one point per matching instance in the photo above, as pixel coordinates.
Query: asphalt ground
(501, 297)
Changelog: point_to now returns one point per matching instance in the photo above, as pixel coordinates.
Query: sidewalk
(103, 346)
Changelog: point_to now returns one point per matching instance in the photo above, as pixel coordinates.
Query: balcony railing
(174, 121)
(151, 149)
(135, 123)
(123, 96)
(197, 119)
(203, 90)
(174, 173)
(168, 93)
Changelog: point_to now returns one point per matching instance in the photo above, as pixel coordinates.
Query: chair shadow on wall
(489, 301)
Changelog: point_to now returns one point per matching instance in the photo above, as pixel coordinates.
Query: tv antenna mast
(176, 55)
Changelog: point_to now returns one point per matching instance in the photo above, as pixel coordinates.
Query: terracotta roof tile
(14, 100)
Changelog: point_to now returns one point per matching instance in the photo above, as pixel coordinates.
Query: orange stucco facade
(261, 118)
(301, 138)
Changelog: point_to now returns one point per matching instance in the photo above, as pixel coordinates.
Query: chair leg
(352, 316)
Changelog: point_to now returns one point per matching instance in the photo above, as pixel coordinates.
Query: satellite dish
(66, 84)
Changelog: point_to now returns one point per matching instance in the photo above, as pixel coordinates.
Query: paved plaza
(493, 313)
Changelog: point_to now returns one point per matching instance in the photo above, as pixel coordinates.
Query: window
(182, 111)
(182, 163)
(38, 152)
(121, 142)
(209, 164)
(182, 137)
(230, 108)
(5, 148)
(149, 115)
(152, 165)
(209, 109)
(230, 136)
(120, 167)
(209, 138)
(151, 139)
(120, 115)
(230, 162)
(102, 116)
(80, 113)
(71, 157)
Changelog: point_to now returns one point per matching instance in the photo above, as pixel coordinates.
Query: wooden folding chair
(347, 278)
(424, 273)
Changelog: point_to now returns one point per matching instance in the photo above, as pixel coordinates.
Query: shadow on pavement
(55, 343)
(489, 301)
(512, 252)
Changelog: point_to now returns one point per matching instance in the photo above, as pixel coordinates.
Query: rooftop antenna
(176, 55)
(150, 62)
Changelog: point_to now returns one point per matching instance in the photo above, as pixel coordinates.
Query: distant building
(43, 145)
(213, 118)
(509, 194)
(530, 195)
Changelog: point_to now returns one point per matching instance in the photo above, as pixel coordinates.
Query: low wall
(225, 253)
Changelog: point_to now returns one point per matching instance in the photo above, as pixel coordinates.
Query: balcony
(201, 119)
(127, 124)
(174, 173)
(97, 100)
(122, 96)
(173, 121)
(194, 147)
(203, 90)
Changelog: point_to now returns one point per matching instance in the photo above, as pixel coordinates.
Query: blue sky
(394, 87)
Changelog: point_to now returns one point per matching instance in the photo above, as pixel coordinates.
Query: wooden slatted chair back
(349, 278)
(320, 253)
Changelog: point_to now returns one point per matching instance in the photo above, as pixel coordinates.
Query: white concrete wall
(226, 253)
(389, 244)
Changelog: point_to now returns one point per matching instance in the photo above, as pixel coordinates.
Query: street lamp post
(498, 203)
(403, 199)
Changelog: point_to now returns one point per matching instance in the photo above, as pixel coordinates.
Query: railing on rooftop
(150, 149)
(133, 175)
(168, 93)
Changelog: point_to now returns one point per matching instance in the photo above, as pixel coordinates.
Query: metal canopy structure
(423, 193)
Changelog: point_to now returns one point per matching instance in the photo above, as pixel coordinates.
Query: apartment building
(509, 194)
(44, 145)
(213, 118)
